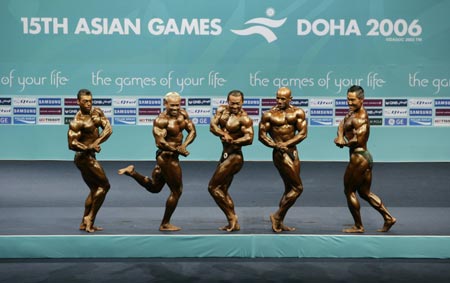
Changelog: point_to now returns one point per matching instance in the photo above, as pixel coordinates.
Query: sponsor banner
(321, 112)
(340, 112)
(102, 101)
(251, 102)
(268, 102)
(420, 121)
(49, 101)
(70, 111)
(376, 121)
(124, 102)
(67, 120)
(321, 121)
(50, 111)
(199, 111)
(373, 102)
(30, 120)
(314, 102)
(149, 102)
(252, 111)
(201, 120)
(300, 102)
(442, 112)
(5, 100)
(125, 111)
(219, 101)
(146, 121)
(420, 112)
(442, 122)
(24, 101)
(149, 111)
(5, 120)
(396, 102)
(24, 111)
(199, 101)
(70, 101)
(50, 120)
(108, 111)
(124, 120)
(340, 102)
(420, 102)
(5, 110)
(396, 112)
(374, 112)
(442, 102)
(396, 122)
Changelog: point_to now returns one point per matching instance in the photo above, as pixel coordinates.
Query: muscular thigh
(358, 173)
(170, 170)
(92, 172)
(227, 169)
(289, 169)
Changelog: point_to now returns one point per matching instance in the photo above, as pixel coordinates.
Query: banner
(130, 55)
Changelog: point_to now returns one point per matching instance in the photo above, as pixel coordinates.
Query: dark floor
(46, 197)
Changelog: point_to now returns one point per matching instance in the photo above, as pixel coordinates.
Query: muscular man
(84, 138)
(235, 129)
(353, 132)
(168, 132)
(282, 128)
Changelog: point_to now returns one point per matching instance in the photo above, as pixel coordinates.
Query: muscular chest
(230, 122)
(283, 118)
(175, 126)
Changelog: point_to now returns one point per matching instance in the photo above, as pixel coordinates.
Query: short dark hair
(358, 89)
(83, 92)
(235, 93)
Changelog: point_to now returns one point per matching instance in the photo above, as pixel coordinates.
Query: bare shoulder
(161, 121)
(98, 111)
(245, 119)
(184, 114)
(76, 124)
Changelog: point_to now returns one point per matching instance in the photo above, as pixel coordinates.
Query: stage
(41, 203)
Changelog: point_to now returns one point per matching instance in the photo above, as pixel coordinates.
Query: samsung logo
(24, 110)
(252, 102)
(321, 112)
(340, 102)
(49, 101)
(420, 112)
(149, 102)
(125, 111)
(441, 102)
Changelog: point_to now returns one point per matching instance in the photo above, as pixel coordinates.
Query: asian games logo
(262, 26)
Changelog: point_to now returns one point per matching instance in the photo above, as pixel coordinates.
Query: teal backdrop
(130, 53)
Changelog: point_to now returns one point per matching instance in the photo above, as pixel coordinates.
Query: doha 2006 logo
(262, 26)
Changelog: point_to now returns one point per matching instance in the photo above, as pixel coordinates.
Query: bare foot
(232, 226)
(89, 225)
(354, 229)
(276, 225)
(96, 228)
(127, 170)
(286, 228)
(387, 225)
(169, 227)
